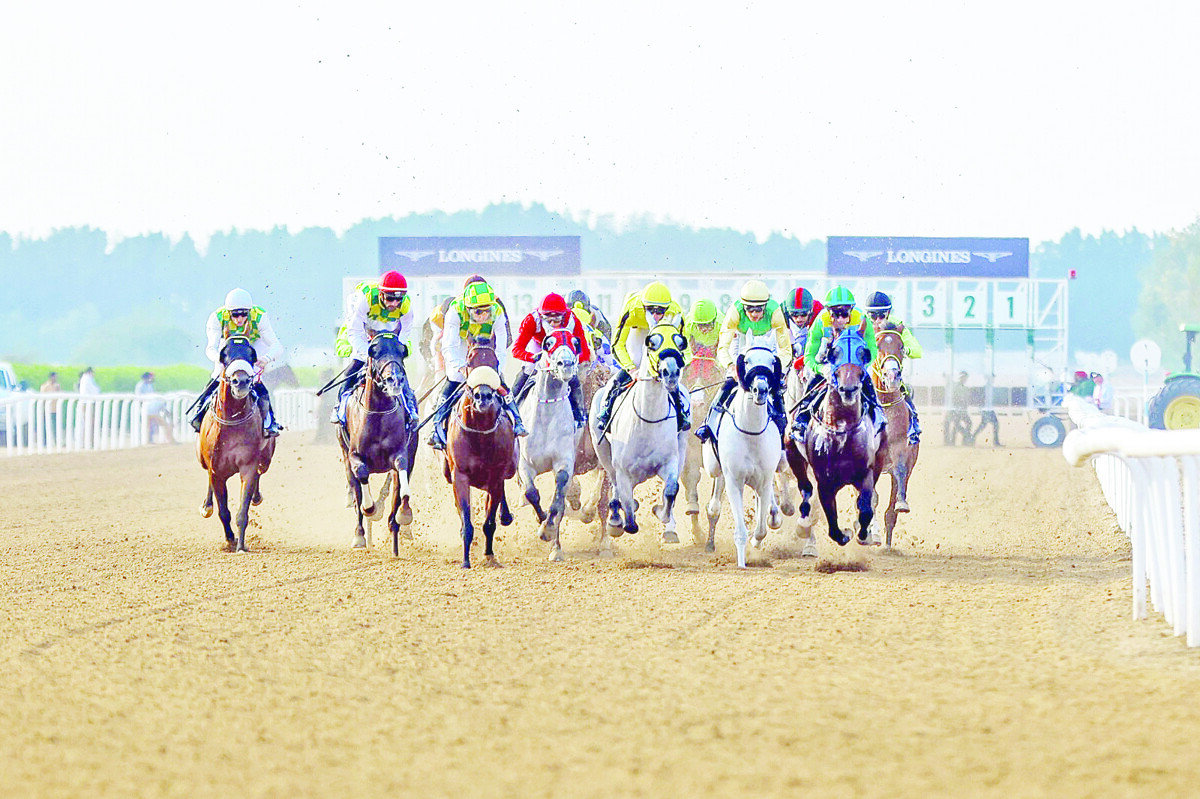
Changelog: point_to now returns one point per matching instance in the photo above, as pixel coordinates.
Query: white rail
(1151, 479)
(34, 423)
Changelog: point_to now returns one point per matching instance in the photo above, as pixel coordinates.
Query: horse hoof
(901, 506)
(506, 518)
(588, 515)
(495, 564)
(774, 520)
(810, 551)
(545, 536)
(206, 511)
(257, 499)
(404, 517)
(693, 509)
(360, 542)
(556, 555)
(710, 547)
(368, 511)
(787, 508)
(631, 528)
(243, 550)
(669, 537)
(840, 538)
(607, 553)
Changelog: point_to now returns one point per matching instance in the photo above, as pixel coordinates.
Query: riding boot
(683, 411)
(914, 425)
(804, 410)
(410, 407)
(619, 382)
(510, 405)
(578, 411)
(354, 375)
(518, 386)
(779, 409)
(441, 418)
(271, 427)
(873, 406)
(201, 404)
(719, 406)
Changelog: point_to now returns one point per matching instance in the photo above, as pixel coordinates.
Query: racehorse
(841, 443)
(747, 450)
(379, 436)
(481, 452)
(643, 439)
(231, 440)
(900, 457)
(551, 443)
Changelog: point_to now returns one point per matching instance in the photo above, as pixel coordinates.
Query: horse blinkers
(741, 371)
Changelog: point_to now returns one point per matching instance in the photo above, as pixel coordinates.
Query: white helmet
(238, 298)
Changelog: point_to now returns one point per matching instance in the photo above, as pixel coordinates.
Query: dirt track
(991, 653)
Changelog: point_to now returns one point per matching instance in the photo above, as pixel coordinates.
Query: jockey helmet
(478, 295)
(238, 299)
(576, 296)
(553, 304)
(584, 316)
(393, 282)
(879, 303)
(483, 376)
(799, 300)
(755, 292)
(839, 295)
(656, 295)
(705, 312)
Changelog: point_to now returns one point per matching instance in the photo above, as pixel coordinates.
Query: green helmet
(705, 312)
(838, 295)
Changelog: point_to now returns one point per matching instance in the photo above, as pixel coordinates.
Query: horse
(841, 444)
(900, 457)
(643, 439)
(380, 437)
(747, 450)
(481, 452)
(551, 443)
(231, 440)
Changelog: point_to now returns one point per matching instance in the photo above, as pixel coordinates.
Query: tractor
(1177, 404)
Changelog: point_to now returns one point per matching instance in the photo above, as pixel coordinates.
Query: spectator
(1083, 386)
(87, 382)
(958, 418)
(1103, 393)
(51, 386)
(157, 417)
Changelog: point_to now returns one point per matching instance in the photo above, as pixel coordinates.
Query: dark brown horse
(899, 456)
(481, 452)
(841, 444)
(380, 436)
(231, 441)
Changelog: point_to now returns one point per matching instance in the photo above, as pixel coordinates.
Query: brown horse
(380, 437)
(231, 441)
(841, 445)
(899, 456)
(481, 452)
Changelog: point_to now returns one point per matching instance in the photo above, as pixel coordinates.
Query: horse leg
(829, 505)
(604, 494)
(733, 492)
(785, 506)
(553, 524)
(900, 482)
(462, 498)
(866, 510)
(768, 511)
(624, 501)
(691, 483)
(495, 501)
(667, 515)
(249, 491)
(574, 495)
(362, 475)
(713, 511)
(531, 493)
(506, 517)
(221, 492)
(206, 505)
(403, 472)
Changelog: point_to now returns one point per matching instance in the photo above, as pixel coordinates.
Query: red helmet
(553, 303)
(393, 281)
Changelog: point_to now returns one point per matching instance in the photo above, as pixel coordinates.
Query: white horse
(748, 450)
(550, 445)
(643, 438)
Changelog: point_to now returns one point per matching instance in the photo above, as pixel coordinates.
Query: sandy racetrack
(991, 653)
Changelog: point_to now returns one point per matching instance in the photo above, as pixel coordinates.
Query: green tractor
(1177, 405)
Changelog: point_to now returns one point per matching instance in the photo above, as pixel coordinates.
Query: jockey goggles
(756, 308)
(657, 310)
(878, 314)
(392, 296)
(242, 312)
(840, 311)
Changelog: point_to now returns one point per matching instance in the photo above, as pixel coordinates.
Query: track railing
(34, 423)
(1151, 479)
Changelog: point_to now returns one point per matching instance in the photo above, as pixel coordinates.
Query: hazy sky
(963, 118)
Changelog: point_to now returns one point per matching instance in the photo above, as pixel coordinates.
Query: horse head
(385, 363)
(758, 370)
(237, 360)
(481, 351)
(562, 350)
(849, 357)
(664, 351)
(888, 365)
(483, 385)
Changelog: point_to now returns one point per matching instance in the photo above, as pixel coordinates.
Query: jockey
(879, 308)
(801, 308)
(601, 349)
(750, 322)
(374, 307)
(478, 312)
(437, 319)
(240, 317)
(700, 327)
(838, 315)
(553, 314)
(579, 300)
(643, 310)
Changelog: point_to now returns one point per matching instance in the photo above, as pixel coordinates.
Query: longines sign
(534, 256)
(878, 256)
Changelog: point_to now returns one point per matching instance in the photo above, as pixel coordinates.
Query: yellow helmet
(478, 295)
(656, 294)
(755, 292)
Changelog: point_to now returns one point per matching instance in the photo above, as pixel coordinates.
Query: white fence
(1151, 478)
(34, 423)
